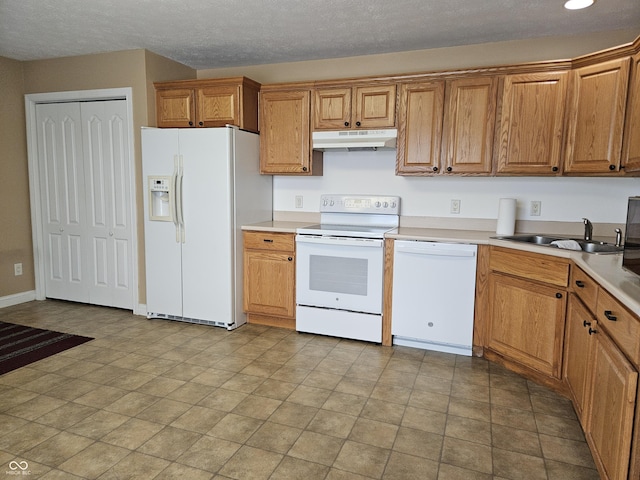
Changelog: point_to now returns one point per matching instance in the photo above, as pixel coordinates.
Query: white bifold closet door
(85, 178)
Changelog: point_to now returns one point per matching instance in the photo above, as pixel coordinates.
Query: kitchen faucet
(588, 229)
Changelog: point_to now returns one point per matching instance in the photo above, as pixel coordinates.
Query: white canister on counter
(506, 224)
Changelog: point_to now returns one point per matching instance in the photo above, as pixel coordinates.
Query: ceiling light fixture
(578, 4)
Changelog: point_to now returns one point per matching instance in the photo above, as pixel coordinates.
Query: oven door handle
(340, 241)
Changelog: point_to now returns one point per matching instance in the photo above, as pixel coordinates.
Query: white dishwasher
(434, 295)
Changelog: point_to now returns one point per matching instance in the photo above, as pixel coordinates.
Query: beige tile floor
(157, 399)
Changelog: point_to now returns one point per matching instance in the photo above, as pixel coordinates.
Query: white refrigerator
(200, 186)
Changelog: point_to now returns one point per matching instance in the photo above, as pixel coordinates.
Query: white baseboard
(17, 298)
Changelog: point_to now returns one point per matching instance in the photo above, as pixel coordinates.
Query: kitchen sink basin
(546, 240)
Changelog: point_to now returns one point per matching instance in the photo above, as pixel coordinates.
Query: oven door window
(340, 274)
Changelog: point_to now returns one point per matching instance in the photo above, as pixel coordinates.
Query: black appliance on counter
(631, 255)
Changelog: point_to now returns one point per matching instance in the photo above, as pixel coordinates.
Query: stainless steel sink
(590, 246)
(598, 247)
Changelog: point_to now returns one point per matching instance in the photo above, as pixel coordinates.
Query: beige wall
(137, 69)
(488, 54)
(15, 216)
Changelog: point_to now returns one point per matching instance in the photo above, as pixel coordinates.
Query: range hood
(355, 140)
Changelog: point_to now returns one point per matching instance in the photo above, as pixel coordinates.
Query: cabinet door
(611, 409)
(578, 341)
(469, 120)
(420, 114)
(175, 108)
(375, 107)
(285, 146)
(218, 106)
(269, 283)
(332, 108)
(531, 123)
(526, 322)
(631, 144)
(596, 117)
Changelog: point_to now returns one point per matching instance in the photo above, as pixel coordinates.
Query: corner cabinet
(529, 140)
(285, 133)
(269, 278)
(208, 103)
(452, 134)
(365, 106)
(596, 115)
(631, 141)
(526, 313)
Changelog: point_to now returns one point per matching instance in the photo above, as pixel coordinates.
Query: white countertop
(605, 269)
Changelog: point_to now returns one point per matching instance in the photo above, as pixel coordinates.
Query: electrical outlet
(536, 207)
(17, 269)
(298, 201)
(455, 206)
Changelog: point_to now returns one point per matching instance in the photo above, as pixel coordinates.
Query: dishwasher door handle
(436, 252)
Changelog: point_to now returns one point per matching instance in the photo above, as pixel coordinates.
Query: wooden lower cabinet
(269, 278)
(527, 323)
(610, 408)
(578, 346)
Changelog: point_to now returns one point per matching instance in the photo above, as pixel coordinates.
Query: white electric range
(340, 264)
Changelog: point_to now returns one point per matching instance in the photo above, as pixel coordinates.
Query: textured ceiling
(222, 33)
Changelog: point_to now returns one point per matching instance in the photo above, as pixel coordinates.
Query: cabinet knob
(358, 124)
(191, 124)
(201, 123)
(586, 324)
(346, 124)
(579, 283)
(290, 258)
(607, 313)
(435, 169)
(612, 167)
(592, 331)
(558, 295)
(304, 169)
(554, 169)
(449, 169)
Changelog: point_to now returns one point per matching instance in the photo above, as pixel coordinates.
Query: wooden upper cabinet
(469, 122)
(208, 103)
(285, 134)
(420, 114)
(596, 113)
(366, 107)
(631, 141)
(332, 108)
(529, 140)
(176, 107)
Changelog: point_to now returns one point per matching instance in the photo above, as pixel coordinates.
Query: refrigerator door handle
(173, 197)
(179, 206)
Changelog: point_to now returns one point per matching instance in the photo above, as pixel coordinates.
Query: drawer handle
(290, 258)
(558, 295)
(607, 313)
(267, 240)
(592, 331)
(586, 324)
(580, 283)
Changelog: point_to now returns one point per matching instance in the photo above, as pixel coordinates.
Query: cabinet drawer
(584, 287)
(269, 241)
(624, 330)
(532, 266)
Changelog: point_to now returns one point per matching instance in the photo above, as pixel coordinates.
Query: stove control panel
(380, 204)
